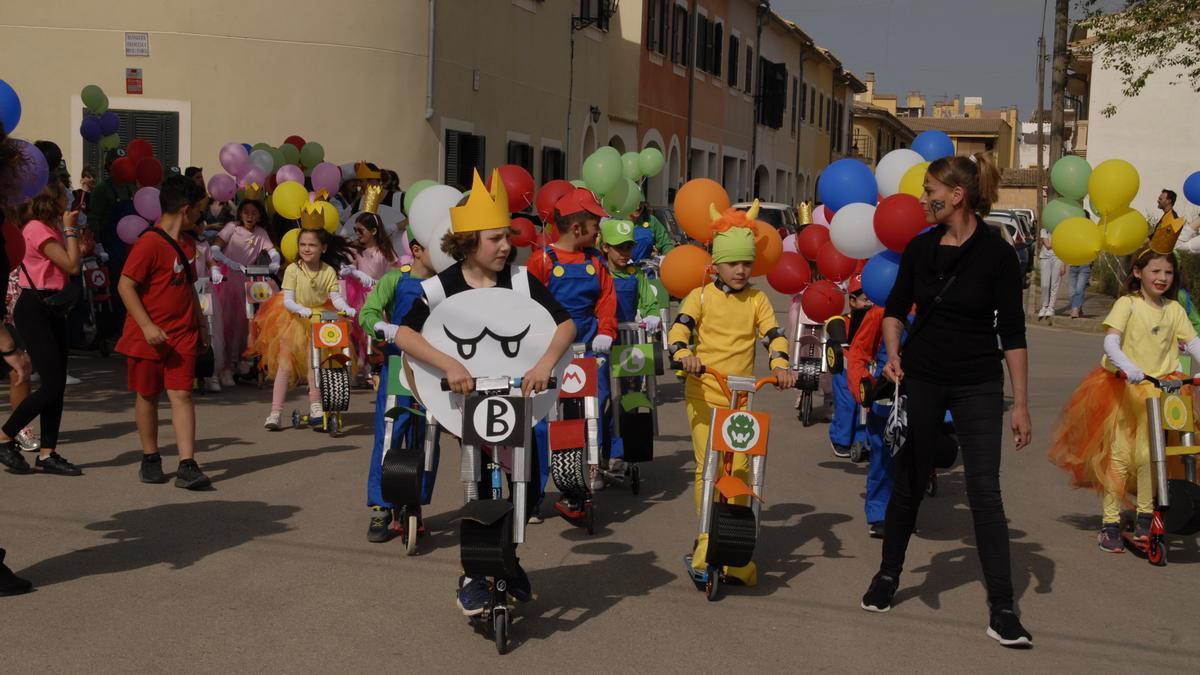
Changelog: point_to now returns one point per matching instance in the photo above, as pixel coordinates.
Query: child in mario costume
(724, 318)
(845, 429)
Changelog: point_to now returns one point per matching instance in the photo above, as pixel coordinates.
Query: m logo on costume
(574, 379)
(495, 420)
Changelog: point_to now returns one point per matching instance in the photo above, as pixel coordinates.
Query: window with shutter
(160, 128)
(718, 42)
(464, 153)
(748, 83)
(554, 165)
(735, 48)
(521, 154)
(702, 37)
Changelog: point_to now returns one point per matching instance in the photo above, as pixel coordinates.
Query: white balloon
(428, 212)
(853, 231)
(892, 167)
(439, 258)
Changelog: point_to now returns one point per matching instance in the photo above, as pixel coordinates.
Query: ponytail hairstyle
(1133, 285)
(977, 175)
(383, 242)
(337, 249)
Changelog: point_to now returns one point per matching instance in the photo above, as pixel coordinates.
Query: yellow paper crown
(806, 210)
(1165, 237)
(372, 196)
(312, 217)
(485, 209)
(364, 172)
(253, 191)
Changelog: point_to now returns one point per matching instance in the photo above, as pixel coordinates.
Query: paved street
(271, 572)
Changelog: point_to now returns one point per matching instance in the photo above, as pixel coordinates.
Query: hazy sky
(939, 47)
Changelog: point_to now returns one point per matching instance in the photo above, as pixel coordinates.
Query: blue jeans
(844, 429)
(880, 472)
(1078, 277)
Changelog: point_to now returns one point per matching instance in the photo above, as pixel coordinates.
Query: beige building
(877, 131)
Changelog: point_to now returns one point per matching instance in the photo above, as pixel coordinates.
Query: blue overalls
(845, 427)
(409, 428)
(626, 290)
(576, 286)
(643, 242)
(880, 474)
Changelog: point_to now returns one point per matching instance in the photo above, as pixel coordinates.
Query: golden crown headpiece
(312, 216)
(486, 209)
(372, 196)
(253, 191)
(1165, 237)
(806, 211)
(364, 172)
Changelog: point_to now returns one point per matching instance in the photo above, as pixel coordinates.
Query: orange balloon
(684, 269)
(692, 204)
(768, 247)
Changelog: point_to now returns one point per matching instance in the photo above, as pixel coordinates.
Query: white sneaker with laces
(272, 422)
(211, 384)
(226, 379)
(315, 412)
(28, 440)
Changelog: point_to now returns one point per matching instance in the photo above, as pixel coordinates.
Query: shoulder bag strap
(183, 259)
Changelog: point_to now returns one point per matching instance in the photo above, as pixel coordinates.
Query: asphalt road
(270, 571)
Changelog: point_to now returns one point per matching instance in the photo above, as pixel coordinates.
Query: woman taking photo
(966, 284)
(51, 254)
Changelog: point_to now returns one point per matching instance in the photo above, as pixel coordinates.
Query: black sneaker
(519, 587)
(151, 469)
(875, 530)
(840, 450)
(10, 456)
(57, 464)
(1006, 629)
(190, 477)
(473, 595)
(380, 529)
(11, 584)
(879, 596)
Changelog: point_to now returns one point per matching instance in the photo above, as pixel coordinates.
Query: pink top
(46, 275)
(372, 263)
(244, 246)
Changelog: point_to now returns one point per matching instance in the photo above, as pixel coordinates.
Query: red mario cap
(577, 200)
(855, 284)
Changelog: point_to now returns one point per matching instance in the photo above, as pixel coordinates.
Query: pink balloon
(253, 175)
(326, 176)
(789, 244)
(222, 187)
(290, 172)
(819, 217)
(145, 202)
(234, 158)
(129, 227)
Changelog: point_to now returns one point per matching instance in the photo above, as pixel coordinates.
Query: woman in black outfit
(966, 283)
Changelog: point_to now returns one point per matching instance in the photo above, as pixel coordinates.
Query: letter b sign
(495, 420)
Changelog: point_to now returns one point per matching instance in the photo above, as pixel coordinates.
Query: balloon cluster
(614, 177)
(1110, 187)
(269, 167)
(99, 123)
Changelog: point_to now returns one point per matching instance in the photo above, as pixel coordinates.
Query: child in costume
(649, 234)
(864, 363)
(846, 428)
(479, 241)
(283, 328)
(577, 277)
(239, 244)
(382, 312)
(372, 258)
(723, 319)
(1102, 438)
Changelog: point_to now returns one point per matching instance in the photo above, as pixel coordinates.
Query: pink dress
(244, 247)
(372, 263)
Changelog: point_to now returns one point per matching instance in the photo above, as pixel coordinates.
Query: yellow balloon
(913, 182)
(1077, 241)
(1113, 184)
(289, 246)
(330, 213)
(1125, 231)
(289, 198)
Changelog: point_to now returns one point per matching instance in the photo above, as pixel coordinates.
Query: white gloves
(1112, 349)
(214, 273)
(387, 329)
(364, 278)
(350, 312)
(303, 312)
(345, 271)
(340, 303)
(602, 344)
(273, 267)
(651, 323)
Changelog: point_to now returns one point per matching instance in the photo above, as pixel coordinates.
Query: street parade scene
(428, 336)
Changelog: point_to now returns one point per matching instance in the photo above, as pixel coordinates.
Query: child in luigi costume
(723, 319)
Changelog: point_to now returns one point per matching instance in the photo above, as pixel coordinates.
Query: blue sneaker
(473, 595)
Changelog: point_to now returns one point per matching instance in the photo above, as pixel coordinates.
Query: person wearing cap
(724, 318)
(845, 428)
(637, 299)
(110, 201)
(650, 234)
(577, 277)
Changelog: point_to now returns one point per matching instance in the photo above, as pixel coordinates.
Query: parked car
(780, 216)
(666, 215)
(1013, 230)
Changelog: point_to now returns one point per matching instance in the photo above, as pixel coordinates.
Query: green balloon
(650, 161)
(95, 99)
(631, 166)
(110, 142)
(623, 199)
(1058, 210)
(415, 189)
(261, 146)
(1070, 177)
(312, 154)
(290, 154)
(278, 160)
(602, 170)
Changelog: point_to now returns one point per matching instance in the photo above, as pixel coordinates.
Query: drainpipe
(763, 7)
(799, 124)
(429, 68)
(691, 76)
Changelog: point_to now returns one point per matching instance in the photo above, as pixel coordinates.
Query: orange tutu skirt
(282, 337)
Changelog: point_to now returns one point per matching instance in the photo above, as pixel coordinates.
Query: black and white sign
(495, 420)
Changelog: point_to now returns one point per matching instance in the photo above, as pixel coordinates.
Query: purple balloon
(290, 172)
(109, 123)
(34, 173)
(326, 176)
(221, 187)
(145, 202)
(253, 175)
(234, 159)
(129, 227)
(90, 129)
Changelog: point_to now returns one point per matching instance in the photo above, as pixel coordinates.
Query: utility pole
(1058, 83)
(692, 50)
(1041, 134)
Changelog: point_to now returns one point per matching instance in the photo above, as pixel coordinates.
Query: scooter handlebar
(514, 382)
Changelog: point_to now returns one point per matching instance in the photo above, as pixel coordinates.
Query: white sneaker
(315, 412)
(212, 385)
(616, 466)
(272, 422)
(28, 440)
(595, 480)
(72, 380)
(226, 379)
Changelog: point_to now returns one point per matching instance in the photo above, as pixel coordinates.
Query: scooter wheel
(713, 586)
(1156, 553)
(296, 419)
(500, 629)
(410, 535)
(856, 453)
(589, 517)
(635, 479)
(806, 401)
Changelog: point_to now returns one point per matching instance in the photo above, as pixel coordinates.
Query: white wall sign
(137, 44)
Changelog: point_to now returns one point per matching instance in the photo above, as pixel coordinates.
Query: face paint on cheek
(936, 206)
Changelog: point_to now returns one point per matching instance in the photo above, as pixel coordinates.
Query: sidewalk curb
(1061, 322)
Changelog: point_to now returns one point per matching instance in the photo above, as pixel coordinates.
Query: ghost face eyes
(509, 344)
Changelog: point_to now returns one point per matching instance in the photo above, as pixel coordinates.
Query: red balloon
(139, 149)
(549, 195)
(822, 300)
(124, 170)
(296, 141)
(859, 266)
(518, 183)
(149, 171)
(14, 243)
(898, 219)
(791, 274)
(833, 265)
(524, 232)
(828, 214)
(811, 239)
(272, 183)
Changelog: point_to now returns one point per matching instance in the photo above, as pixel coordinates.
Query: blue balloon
(109, 123)
(847, 181)
(247, 146)
(90, 129)
(879, 275)
(1191, 188)
(10, 107)
(933, 145)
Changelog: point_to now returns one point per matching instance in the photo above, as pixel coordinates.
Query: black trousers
(978, 411)
(44, 333)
